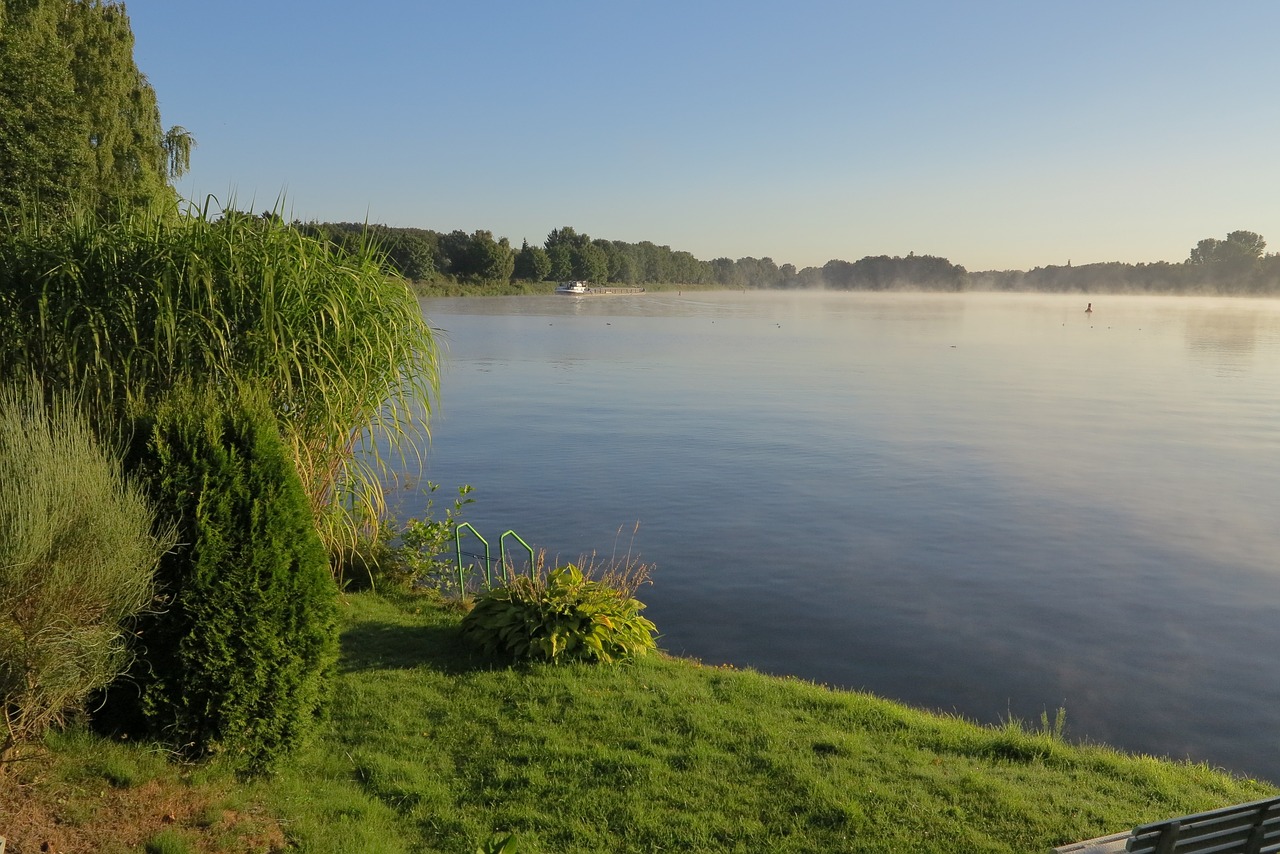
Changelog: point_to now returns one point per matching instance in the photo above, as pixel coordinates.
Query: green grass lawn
(431, 747)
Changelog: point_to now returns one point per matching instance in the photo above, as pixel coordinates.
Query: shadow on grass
(379, 646)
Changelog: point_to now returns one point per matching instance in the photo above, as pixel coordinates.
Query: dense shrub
(236, 663)
(77, 555)
(562, 615)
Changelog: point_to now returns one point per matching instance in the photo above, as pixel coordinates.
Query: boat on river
(583, 289)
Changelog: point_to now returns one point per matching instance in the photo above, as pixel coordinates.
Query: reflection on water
(989, 504)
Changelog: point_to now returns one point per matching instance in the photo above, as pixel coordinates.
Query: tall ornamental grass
(77, 556)
(124, 310)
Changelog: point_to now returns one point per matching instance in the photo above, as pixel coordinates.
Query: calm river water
(985, 504)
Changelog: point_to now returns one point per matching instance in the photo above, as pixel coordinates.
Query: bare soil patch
(42, 813)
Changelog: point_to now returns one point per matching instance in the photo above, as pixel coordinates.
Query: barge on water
(585, 289)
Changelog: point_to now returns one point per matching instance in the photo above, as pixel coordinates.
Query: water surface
(986, 504)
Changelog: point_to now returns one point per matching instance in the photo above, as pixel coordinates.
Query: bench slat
(1252, 828)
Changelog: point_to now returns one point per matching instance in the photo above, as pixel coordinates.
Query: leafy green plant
(500, 843)
(77, 554)
(560, 615)
(79, 121)
(412, 555)
(423, 542)
(236, 663)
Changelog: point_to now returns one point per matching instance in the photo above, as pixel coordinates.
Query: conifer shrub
(77, 556)
(237, 663)
(561, 615)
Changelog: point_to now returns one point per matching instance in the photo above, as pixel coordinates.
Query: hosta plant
(561, 615)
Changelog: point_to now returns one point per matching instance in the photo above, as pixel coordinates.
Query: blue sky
(998, 134)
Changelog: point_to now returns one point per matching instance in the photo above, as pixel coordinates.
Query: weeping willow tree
(79, 123)
(123, 310)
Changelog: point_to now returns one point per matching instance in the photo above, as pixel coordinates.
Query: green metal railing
(506, 568)
(502, 552)
(488, 562)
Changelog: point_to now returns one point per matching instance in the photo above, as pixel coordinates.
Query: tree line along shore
(460, 263)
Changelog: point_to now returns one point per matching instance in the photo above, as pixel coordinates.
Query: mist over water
(988, 504)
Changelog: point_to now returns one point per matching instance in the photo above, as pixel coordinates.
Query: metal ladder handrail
(502, 552)
(508, 569)
(488, 561)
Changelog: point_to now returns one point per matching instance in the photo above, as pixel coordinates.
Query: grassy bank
(431, 747)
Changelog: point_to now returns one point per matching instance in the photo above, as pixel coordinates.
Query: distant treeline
(1258, 278)
(1236, 265)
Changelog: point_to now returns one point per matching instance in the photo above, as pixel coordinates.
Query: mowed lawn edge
(431, 746)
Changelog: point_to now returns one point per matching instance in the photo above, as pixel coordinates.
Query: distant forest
(1235, 265)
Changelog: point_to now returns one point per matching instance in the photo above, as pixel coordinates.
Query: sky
(1000, 135)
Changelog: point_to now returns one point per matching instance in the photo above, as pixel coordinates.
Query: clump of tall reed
(77, 554)
(122, 311)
